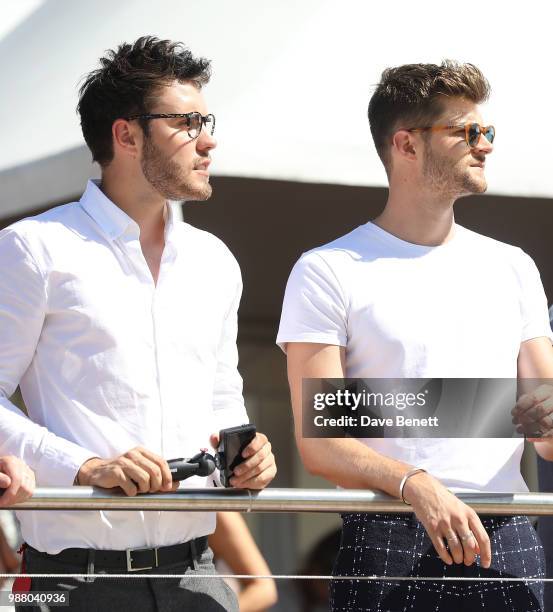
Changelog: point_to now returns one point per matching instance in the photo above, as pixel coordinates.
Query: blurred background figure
(236, 552)
(9, 561)
(314, 594)
(17, 483)
(545, 523)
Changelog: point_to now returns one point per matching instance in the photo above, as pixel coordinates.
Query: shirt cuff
(230, 417)
(58, 467)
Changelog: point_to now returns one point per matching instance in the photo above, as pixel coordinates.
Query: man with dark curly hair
(119, 324)
(411, 294)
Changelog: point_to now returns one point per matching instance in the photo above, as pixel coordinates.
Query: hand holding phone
(232, 442)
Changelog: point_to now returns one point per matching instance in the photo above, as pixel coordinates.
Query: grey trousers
(133, 594)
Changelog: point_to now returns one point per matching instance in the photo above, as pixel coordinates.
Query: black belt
(132, 559)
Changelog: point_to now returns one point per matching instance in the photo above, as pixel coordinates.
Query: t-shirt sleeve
(314, 308)
(533, 303)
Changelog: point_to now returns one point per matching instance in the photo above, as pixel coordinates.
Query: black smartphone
(232, 441)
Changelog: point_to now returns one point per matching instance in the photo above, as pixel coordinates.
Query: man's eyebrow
(170, 111)
(458, 119)
(463, 118)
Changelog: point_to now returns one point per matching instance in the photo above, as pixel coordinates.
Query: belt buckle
(130, 567)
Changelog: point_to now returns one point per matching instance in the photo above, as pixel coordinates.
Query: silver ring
(466, 537)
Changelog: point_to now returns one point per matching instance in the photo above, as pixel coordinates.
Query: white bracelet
(405, 479)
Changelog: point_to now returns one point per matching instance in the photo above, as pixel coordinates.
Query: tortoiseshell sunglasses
(472, 131)
(193, 122)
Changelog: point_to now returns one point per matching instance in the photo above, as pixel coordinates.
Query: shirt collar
(114, 221)
(169, 223)
(105, 213)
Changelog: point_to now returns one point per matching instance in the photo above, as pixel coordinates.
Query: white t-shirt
(458, 310)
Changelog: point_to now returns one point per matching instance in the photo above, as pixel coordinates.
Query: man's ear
(125, 137)
(405, 145)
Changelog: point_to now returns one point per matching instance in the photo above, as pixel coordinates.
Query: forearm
(344, 461)
(257, 595)
(54, 460)
(350, 464)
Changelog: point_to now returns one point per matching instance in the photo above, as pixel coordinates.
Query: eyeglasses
(192, 122)
(473, 131)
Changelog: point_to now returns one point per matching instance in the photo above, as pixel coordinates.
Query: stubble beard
(168, 178)
(450, 179)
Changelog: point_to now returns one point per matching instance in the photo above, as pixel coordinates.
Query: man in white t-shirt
(412, 294)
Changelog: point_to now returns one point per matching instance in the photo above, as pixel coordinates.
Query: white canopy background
(290, 87)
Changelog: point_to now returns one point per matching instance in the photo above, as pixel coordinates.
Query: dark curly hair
(125, 83)
(411, 96)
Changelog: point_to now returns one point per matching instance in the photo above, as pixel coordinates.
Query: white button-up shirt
(106, 360)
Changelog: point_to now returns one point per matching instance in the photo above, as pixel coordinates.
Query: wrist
(83, 475)
(406, 488)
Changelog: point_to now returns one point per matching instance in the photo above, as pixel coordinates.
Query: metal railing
(273, 500)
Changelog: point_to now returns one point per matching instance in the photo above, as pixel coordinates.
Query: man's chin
(191, 195)
(480, 188)
(201, 195)
(473, 187)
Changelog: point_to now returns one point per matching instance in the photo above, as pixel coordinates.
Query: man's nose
(483, 145)
(205, 141)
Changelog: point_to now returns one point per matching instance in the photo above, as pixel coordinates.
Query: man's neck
(145, 206)
(418, 217)
(141, 202)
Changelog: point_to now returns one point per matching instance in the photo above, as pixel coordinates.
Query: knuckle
(457, 520)
(143, 476)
